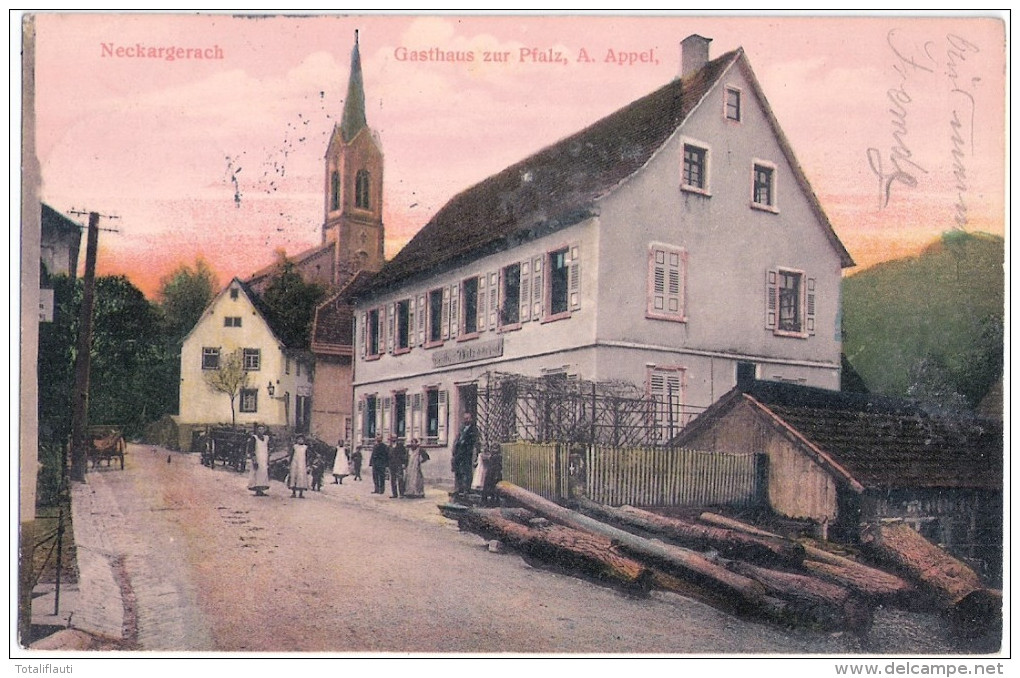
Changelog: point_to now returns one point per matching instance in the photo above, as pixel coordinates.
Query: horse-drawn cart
(226, 445)
(105, 443)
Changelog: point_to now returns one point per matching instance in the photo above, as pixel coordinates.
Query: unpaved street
(211, 567)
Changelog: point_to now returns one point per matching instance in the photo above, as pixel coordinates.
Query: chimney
(693, 54)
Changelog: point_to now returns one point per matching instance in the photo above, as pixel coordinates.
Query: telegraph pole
(83, 360)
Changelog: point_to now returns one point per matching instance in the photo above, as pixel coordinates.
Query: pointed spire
(354, 105)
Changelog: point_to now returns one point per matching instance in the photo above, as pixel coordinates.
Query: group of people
(402, 464)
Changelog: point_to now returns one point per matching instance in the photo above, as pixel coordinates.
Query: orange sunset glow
(205, 134)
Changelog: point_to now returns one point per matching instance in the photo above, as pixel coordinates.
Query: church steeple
(353, 193)
(353, 119)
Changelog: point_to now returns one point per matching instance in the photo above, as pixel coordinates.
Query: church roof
(560, 185)
(353, 119)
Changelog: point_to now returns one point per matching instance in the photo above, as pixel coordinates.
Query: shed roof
(877, 442)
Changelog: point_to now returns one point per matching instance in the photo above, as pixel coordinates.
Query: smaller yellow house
(273, 386)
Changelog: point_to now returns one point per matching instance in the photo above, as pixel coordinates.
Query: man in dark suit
(464, 455)
(398, 462)
(379, 461)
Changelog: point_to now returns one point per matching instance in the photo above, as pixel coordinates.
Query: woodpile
(735, 566)
(956, 588)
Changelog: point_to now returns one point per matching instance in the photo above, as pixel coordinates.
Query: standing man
(379, 461)
(463, 455)
(398, 463)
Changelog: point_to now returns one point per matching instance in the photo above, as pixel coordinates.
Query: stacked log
(876, 585)
(730, 543)
(975, 609)
(567, 548)
(688, 565)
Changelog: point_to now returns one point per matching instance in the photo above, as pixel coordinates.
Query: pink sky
(155, 141)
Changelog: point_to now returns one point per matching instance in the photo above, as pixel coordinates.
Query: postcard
(446, 335)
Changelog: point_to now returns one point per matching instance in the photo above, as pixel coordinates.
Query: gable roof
(253, 299)
(560, 185)
(874, 442)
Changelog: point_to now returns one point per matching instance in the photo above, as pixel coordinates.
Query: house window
(695, 167)
(666, 390)
(210, 358)
(372, 327)
(249, 400)
(403, 325)
(334, 191)
(435, 316)
(789, 301)
(371, 409)
(469, 301)
(400, 414)
(510, 311)
(764, 186)
(361, 195)
(233, 293)
(559, 283)
(666, 276)
(232, 321)
(252, 359)
(732, 104)
(436, 403)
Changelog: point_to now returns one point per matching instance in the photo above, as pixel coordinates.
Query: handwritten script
(920, 68)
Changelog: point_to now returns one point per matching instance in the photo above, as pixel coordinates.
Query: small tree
(229, 378)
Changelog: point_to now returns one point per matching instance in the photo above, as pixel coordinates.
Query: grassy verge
(45, 556)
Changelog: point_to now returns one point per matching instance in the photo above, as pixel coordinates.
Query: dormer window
(361, 192)
(732, 104)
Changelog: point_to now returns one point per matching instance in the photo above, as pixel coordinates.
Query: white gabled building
(674, 244)
(279, 380)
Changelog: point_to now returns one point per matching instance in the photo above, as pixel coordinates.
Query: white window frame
(807, 298)
(727, 91)
(246, 396)
(232, 321)
(773, 205)
(408, 326)
(706, 187)
(251, 359)
(673, 259)
(208, 351)
(464, 332)
(505, 298)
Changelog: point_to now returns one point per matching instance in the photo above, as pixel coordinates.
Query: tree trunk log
(958, 590)
(878, 585)
(676, 561)
(828, 605)
(562, 547)
(730, 523)
(729, 543)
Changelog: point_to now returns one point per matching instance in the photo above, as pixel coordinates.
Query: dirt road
(212, 567)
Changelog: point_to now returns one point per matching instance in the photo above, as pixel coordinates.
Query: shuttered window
(666, 389)
(667, 276)
(790, 302)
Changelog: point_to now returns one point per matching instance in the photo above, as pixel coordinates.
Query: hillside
(930, 326)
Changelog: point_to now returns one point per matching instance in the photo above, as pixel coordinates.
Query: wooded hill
(930, 327)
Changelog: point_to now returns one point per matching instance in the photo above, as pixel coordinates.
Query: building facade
(275, 387)
(675, 245)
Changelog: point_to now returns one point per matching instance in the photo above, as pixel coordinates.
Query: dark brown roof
(333, 327)
(885, 442)
(557, 186)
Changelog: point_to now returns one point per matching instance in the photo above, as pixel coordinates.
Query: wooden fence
(640, 476)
